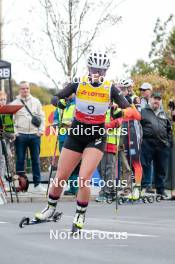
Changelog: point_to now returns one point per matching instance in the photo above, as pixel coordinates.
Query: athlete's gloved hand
(117, 113)
(62, 104)
(58, 103)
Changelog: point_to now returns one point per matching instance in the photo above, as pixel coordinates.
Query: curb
(36, 199)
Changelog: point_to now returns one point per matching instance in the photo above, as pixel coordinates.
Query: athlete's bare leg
(90, 160)
(67, 162)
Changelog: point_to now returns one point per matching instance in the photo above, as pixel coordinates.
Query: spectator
(157, 134)
(27, 134)
(3, 100)
(6, 137)
(124, 170)
(132, 141)
(107, 166)
(146, 90)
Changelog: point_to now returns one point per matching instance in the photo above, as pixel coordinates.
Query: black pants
(158, 153)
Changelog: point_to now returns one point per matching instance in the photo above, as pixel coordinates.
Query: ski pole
(54, 156)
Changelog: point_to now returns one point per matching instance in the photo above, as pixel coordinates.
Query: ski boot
(78, 222)
(130, 196)
(47, 213)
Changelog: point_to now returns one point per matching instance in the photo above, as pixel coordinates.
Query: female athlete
(86, 140)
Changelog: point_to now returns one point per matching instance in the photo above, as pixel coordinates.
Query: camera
(171, 105)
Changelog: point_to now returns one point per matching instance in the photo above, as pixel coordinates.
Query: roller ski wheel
(26, 220)
(158, 198)
(120, 200)
(150, 199)
(75, 230)
(110, 198)
(144, 199)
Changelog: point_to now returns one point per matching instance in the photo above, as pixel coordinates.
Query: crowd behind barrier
(143, 157)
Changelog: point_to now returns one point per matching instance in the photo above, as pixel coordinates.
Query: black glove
(116, 112)
(58, 103)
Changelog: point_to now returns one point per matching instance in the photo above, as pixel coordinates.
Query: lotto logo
(88, 93)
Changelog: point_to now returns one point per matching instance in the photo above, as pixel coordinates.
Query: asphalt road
(143, 233)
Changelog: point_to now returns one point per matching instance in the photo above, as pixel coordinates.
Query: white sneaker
(47, 213)
(39, 189)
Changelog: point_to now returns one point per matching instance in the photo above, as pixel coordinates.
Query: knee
(84, 180)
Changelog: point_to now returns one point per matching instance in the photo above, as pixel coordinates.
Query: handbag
(36, 120)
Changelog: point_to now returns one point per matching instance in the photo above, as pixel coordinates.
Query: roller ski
(130, 196)
(106, 198)
(138, 196)
(150, 196)
(49, 214)
(111, 198)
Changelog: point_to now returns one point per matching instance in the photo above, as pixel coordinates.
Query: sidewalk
(32, 196)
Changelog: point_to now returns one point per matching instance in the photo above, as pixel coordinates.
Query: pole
(1, 25)
(54, 155)
(1, 43)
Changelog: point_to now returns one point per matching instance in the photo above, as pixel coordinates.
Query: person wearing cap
(157, 136)
(146, 90)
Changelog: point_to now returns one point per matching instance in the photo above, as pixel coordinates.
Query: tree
(141, 67)
(42, 93)
(71, 26)
(162, 52)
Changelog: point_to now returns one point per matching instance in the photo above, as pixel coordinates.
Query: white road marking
(140, 235)
(117, 245)
(3, 222)
(110, 232)
(117, 221)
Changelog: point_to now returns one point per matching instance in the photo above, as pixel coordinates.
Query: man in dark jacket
(157, 139)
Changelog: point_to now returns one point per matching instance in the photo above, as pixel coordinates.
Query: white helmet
(126, 82)
(98, 60)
